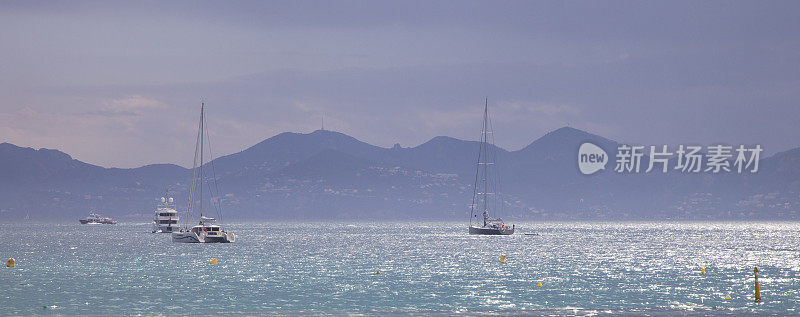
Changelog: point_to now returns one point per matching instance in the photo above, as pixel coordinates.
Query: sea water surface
(584, 268)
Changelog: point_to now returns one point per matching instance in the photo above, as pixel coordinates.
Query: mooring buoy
(758, 289)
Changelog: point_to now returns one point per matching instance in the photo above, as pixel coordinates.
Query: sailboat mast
(485, 162)
(202, 121)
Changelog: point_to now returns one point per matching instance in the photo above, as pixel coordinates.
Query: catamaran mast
(202, 120)
(485, 162)
(192, 188)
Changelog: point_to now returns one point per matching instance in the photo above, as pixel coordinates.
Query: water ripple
(585, 268)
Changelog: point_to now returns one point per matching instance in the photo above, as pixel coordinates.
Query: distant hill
(330, 175)
(49, 184)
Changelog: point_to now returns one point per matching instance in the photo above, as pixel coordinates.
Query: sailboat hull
(491, 231)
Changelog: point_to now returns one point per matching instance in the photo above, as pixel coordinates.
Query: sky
(119, 84)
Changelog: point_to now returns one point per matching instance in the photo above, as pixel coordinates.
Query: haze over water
(436, 267)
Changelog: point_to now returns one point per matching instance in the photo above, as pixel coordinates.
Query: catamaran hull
(191, 237)
(225, 238)
(491, 231)
(185, 237)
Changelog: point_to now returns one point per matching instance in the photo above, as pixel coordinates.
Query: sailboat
(206, 231)
(486, 155)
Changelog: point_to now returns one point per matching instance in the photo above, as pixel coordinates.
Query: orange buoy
(11, 262)
(758, 289)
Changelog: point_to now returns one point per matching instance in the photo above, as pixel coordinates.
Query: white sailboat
(206, 231)
(484, 185)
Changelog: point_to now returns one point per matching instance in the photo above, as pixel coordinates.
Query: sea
(405, 268)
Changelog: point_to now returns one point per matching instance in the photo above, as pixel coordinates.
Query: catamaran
(206, 231)
(486, 158)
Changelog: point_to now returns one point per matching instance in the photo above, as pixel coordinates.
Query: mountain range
(330, 175)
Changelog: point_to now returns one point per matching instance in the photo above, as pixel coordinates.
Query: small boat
(165, 219)
(482, 196)
(95, 219)
(206, 231)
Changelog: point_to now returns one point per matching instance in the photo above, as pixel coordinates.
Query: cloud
(131, 106)
(387, 73)
(546, 109)
(126, 112)
(125, 131)
(135, 102)
(433, 119)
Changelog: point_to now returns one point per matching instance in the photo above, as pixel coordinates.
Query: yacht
(95, 219)
(165, 219)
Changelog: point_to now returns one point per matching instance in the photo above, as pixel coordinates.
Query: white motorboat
(95, 219)
(165, 219)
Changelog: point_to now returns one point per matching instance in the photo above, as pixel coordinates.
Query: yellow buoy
(758, 290)
(503, 258)
(214, 261)
(11, 262)
(703, 271)
(539, 285)
(727, 297)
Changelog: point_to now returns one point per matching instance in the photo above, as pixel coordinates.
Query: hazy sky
(120, 83)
